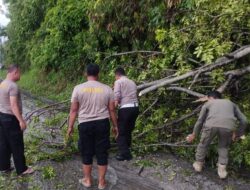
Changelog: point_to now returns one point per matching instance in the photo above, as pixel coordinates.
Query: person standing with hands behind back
(93, 102)
(125, 91)
(12, 124)
(219, 119)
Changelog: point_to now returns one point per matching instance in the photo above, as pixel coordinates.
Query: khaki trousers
(224, 140)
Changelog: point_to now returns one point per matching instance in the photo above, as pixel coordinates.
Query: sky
(3, 19)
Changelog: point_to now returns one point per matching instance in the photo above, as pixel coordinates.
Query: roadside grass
(49, 86)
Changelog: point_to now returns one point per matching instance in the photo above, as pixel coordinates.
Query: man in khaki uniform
(12, 124)
(93, 102)
(125, 91)
(219, 118)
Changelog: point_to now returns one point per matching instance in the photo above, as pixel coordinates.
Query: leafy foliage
(48, 172)
(55, 40)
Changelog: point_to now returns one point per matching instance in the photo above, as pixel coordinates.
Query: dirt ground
(151, 172)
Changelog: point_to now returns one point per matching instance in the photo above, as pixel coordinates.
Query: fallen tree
(231, 75)
(220, 62)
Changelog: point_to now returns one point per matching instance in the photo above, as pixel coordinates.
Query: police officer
(12, 124)
(93, 102)
(125, 91)
(219, 119)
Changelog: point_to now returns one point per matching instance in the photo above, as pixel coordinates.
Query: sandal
(83, 182)
(28, 171)
(100, 187)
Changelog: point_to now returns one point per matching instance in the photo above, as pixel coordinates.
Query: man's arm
(16, 110)
(242, 119)
(199, 124)
(72, 116)
(117, 93)
(113, 117)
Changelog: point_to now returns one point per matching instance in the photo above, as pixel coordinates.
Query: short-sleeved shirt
(9, 88)
(125, 91)
(93, 98)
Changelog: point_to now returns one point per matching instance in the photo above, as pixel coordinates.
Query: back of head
(12, 68)
(120, 71)
(93, 70)
(214, 94)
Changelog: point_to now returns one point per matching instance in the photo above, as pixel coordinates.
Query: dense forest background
(154, 40)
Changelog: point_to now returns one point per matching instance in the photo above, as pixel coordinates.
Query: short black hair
(215, 94)
(12, 67)
(120, 71)
(93, 70)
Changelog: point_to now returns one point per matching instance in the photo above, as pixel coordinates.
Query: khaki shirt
(93, 98)
(7, 89)
(220, 113)
(125, 91)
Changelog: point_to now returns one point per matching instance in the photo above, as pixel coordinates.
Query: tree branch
(166, 144)
(42, 109)
(223, 87)
(156, 100)
(145, 85)
(229, 58)
(190, 92)
(231, 75)
(174, 122)
(135, 52)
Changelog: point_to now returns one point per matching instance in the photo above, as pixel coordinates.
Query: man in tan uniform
(93, 102)
(126, 97)
(219, 119)
(12, 124)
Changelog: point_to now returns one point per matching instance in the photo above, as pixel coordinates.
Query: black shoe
(121, 157)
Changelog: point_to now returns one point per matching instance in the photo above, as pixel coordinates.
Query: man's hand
(115, 132)
(23, 125)
(190, 138)
(237, 138)
(234, 137)
(70, 131)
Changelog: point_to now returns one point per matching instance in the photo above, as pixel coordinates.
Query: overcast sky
(3, 19)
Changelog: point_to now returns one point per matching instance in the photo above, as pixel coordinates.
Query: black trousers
(11, 142)
(94, 140)
(126, 124)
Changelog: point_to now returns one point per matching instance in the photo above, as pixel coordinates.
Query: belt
(131, 105)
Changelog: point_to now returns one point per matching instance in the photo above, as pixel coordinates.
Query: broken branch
(229, 58)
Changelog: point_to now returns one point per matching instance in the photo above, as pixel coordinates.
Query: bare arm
(113, 117)
(116, 103)
(17, 112)
(15, 108)
(117, 93)
(72, 116)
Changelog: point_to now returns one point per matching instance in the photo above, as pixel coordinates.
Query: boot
(198, 166)
(222, 171)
